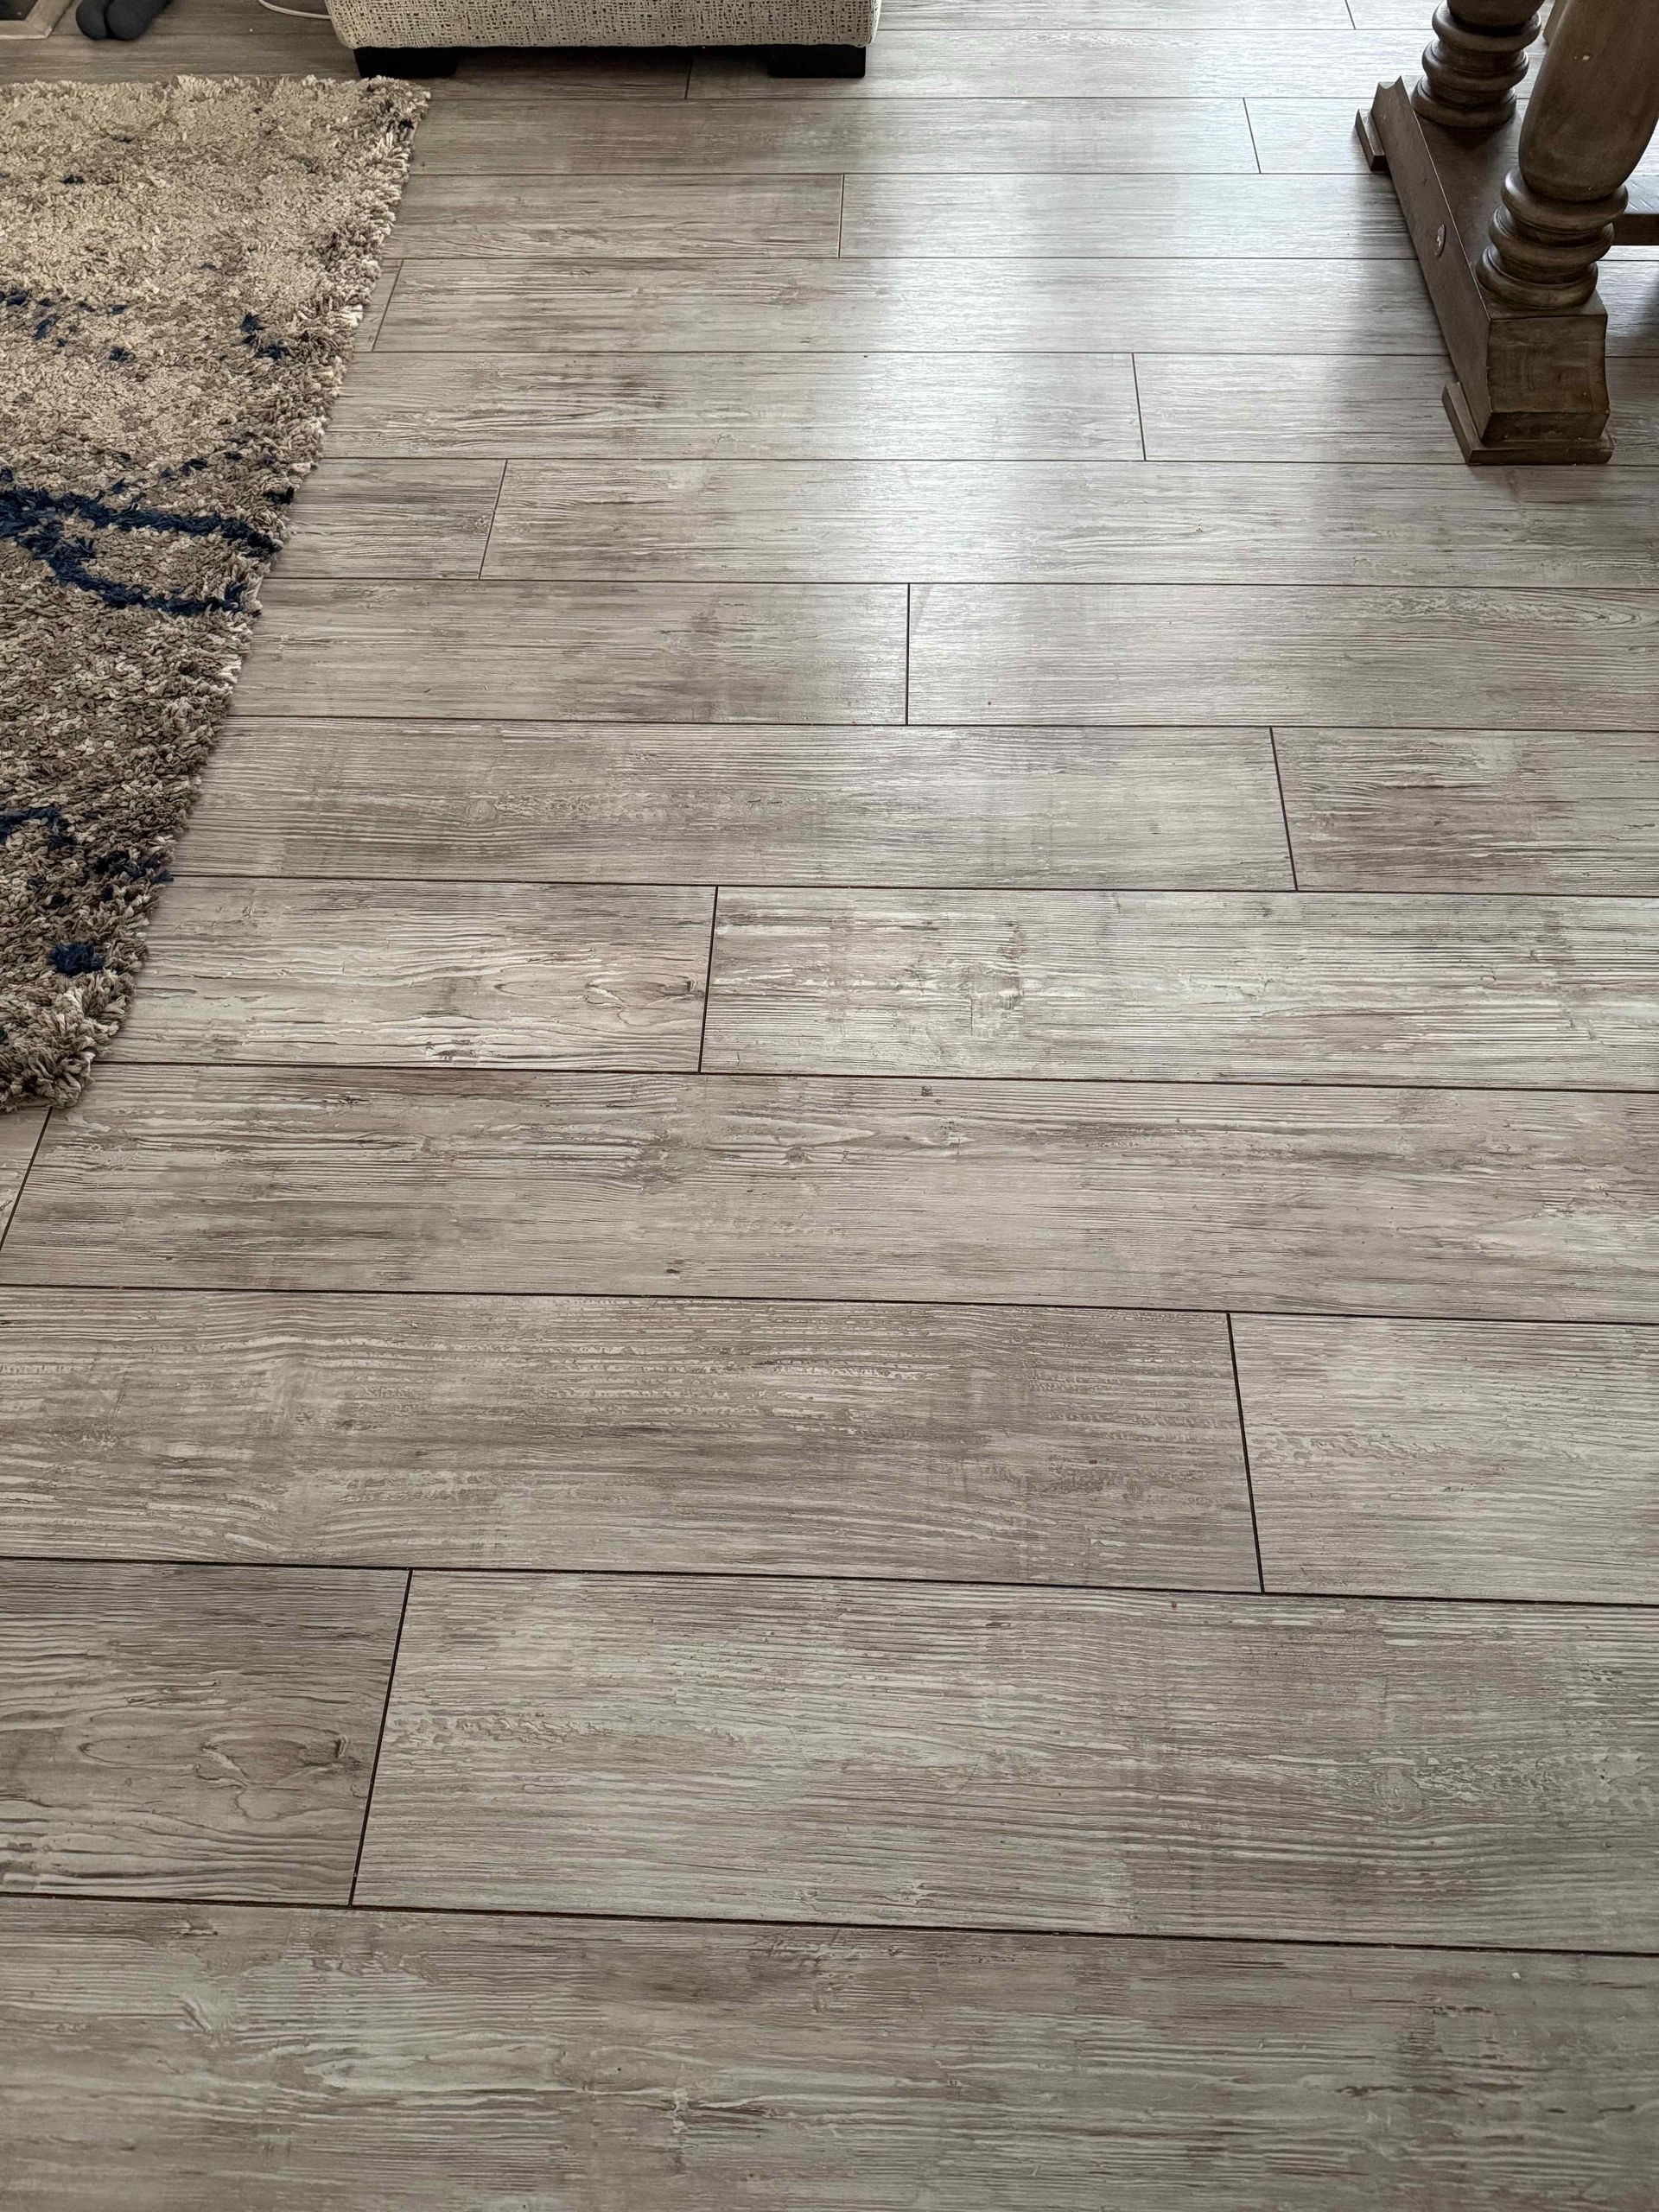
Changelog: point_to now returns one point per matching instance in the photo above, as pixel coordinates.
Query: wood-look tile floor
(849, 1394)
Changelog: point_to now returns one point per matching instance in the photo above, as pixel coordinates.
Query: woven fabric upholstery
(605, 23)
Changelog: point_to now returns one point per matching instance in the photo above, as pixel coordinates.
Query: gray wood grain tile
(800, 138)
(208, 1732)
(406, 975)
(759, 406)
(368, 329)
(583, 217)
(1516, 1203)
(1374, 15)
(425, 517)
(1633, 380)
(20, 1132)
(200, 38)
(491, 800)
(1279, 406)
(1183, 218)
(762, 306)
(870, 2066)
(1073, 16)
(1187, 986)
(1310, 136)
(1431, 809)
(1075, 522)
(1483, 660)
(1628, 284)
(1024, 1758)
(972, 1443)
(1335, 408)
(1452, 1460)
(1081, 59)
(613, 653)
(201, 2054)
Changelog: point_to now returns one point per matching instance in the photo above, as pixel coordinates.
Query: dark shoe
(90, 19)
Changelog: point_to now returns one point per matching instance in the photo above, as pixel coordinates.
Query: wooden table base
(1527, 387)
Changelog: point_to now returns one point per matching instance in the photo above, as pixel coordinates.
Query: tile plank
(202, 2056)
(424, 518)
(604, 2061)
(1022, 1757)
(1455, 1461)
(1334, 407)
(406, 975)
(1187, 986)
(20, 1132)
(576, 218)
(1308, 407)
(1074, 522)
(200, 38)
(1086, 58)
(209, 1731)
(612, 653)
(956, 1442)
(1484, 660)
(487, 801)
(1518, 1204)
(761, 306)
(1185, 218)
(889, 138)
(746, 406)
(1430, 809)
(1025, 16)
(1309, 135)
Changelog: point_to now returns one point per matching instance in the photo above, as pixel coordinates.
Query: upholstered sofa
(825, 38)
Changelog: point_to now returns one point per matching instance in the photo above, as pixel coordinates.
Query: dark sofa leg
(405, 61)
(816, 60)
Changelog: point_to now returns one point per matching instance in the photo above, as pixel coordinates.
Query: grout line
(391, 293)
(14, 1286)
(500, 487)
(647, 584)
(1041, 1932)
(909, 601)
(1244, 1447)
(380, 1738)
(22, 1181)
(1244, 102)
(708, 977)
(1290, 843)
(1240, 1593)
(556, 1070)
(886, 889)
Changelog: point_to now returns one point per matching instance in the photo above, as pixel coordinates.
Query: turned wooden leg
(1477, 57)
(1588, 123)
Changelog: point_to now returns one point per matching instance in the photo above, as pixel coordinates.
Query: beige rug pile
(182, 266)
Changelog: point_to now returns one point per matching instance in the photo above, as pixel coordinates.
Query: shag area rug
(181, 268)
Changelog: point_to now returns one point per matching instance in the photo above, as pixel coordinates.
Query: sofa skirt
(605, 23)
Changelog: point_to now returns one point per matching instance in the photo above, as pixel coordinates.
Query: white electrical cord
(305, 14)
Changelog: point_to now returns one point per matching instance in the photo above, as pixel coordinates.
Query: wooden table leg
(1591, 115)
(1476, 58)
(1508, 219)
